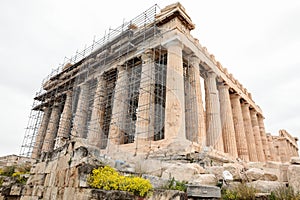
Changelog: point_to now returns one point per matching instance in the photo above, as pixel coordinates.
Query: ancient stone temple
(149, 85)
(149, 95)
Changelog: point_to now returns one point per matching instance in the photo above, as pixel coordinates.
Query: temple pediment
(172, 11)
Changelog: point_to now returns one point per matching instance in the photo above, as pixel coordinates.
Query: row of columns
(229, 124)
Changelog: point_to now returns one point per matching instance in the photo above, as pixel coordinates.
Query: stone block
(64, 161)
(167, 195)
(256, 164)
(254, 174)
(38, 191)
(60, 178)
(204, 179)
(47, 193)
(83, 193)
(40, 167)
(293, 175)
(47, 180)
(52, 179)
(50, 166)
(106, 195)
(53, 193)
(69, 193)
(83, 172)
(27, 190)
(283, 172)
(295, 160)
(266, 186)
(181, 171)
(72, 177)
(60, 193)
(217, 171)
(200, 191)
(270, 176)
(16, 190)
(155, 181)
(150, 166)
(36, 179)
(235, 169)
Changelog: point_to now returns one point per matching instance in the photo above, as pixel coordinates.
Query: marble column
(64, 128)
(256, 132)
(175, 105)
(263, 136)
(95, 133)
(289, 149)
(241, 142)
(41, 134)
(249, 132)
(80, 119)
(283, 150)
(146, 103)
(273, 156)
(197, 120)
(117, 128)
(213, 118)
(52, 128)
(227, 121)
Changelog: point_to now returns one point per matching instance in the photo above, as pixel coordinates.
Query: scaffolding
(86, 67)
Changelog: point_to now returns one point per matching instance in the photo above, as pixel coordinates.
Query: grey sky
(258, 41)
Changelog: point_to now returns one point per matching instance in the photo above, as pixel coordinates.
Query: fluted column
(227, 121)
(41, 134)
(52, 128)
(249, 132)
(95, 133)
(197, 118)
(117, 127)
(283, 150)
(213, 119)
(296, 152)
(256, 132)
(238, 122)
(63, 132)
(273, 156)
(146, 104)
(80, 119)
(263, 137)
(175, 105)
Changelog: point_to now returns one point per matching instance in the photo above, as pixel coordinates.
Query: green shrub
(109, 179)
(286, 193)
(8, 171)
(1, 181)
(177, 185)
(20, 177)
(241, 192)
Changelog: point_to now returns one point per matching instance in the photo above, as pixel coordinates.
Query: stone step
(203, 191)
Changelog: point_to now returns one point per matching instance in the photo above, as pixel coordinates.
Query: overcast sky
(258, 41)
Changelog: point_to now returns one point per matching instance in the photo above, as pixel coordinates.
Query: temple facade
(152, 86)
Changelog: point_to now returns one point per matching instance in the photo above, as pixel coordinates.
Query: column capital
(211, 74)
(120, 68)
(100, 77)
(235, 96)
(259, 115)
(223, 86)
(194, 60)
(245, 104)
(253, 111)
(147, 56)
(174, 41)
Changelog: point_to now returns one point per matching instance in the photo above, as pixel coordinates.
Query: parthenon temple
(147, 86)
